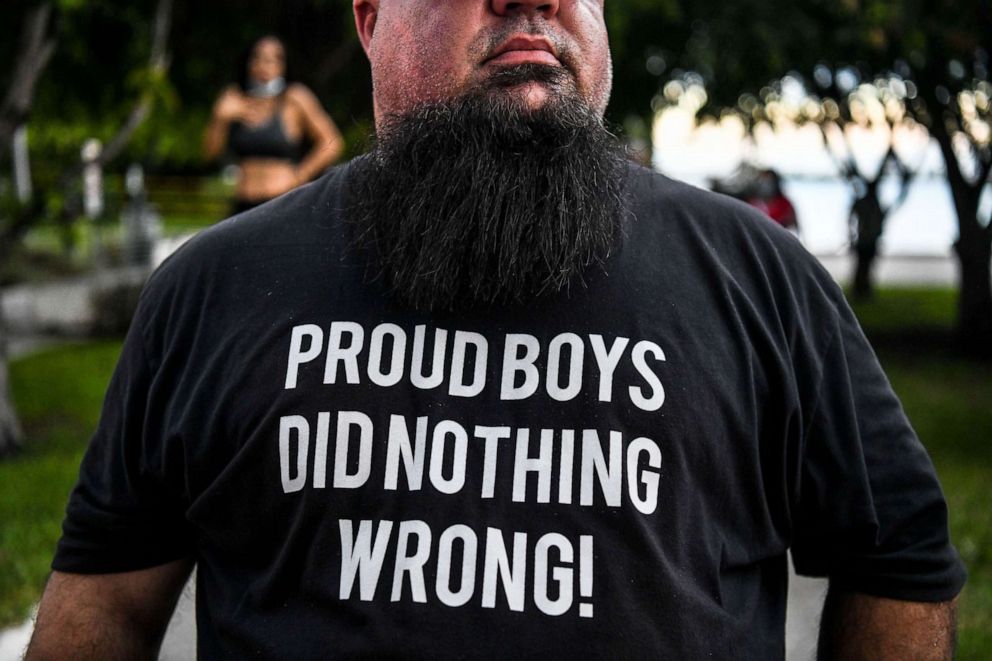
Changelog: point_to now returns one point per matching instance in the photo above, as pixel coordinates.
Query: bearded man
(491, 391)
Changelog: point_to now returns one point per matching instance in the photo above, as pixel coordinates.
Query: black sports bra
(265, 140)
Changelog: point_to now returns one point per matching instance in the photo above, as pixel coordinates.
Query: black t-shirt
(615, 471)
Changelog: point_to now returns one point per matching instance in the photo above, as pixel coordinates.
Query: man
(488, 391)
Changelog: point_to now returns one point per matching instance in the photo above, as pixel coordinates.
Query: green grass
(58, 394)
(948, 399)
(914, 309)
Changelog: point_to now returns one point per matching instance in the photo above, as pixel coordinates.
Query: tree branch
(984, 159)
(852, 163)
(906, 177)
(158, 65)
(985, 173)
(11, 232)
(36, 52)
(938, 130)
(838, 163)
(890, 154)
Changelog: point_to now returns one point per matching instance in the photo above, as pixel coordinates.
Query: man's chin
(461, 203)
(531, 85)
(531, 95)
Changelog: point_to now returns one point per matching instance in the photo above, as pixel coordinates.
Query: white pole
(92, 179)
(22, 164)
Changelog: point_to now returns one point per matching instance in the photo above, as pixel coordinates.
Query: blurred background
(862, 125)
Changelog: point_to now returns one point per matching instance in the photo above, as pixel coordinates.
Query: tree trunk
(974, 251)
(867, 210)
(863, 282)
(975, 302)
(35, 53)
(10, 427)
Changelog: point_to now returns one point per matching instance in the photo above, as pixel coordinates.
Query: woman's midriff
(265, 178)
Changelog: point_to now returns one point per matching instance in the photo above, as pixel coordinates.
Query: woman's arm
(319, 127)
(228, 108)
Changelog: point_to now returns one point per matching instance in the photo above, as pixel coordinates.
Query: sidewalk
(14, 640)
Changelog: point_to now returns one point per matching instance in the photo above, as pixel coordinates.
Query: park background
(876, 107)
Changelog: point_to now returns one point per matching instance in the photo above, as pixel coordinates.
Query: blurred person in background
(266, 121)
(768, 197)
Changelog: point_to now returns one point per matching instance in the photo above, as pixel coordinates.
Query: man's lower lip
(512, 57)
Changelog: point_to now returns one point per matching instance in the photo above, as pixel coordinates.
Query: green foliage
(100, 70)
(733, 47)
(737, 47)
(949, 401)
(639, 30)
(58, 395)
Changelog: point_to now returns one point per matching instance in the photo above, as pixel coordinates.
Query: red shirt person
(770, 199)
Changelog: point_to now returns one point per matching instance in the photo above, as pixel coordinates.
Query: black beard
(482, 201)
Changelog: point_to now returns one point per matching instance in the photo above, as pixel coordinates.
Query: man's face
(425, 51)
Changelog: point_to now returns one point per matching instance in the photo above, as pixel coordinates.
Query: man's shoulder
(708, 233)
(675, 208)
(687, 213)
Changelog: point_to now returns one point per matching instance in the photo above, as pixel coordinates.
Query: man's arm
(858, 626)
(107, 616)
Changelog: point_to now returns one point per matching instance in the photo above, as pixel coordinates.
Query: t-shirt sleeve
(870, 514)
(127, 510)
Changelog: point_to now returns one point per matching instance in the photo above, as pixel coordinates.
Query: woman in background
(265, 122)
